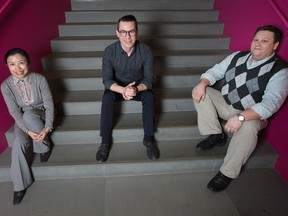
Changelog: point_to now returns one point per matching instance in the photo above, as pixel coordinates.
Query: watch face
(241, 118)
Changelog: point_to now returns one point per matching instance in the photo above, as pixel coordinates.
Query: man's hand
(199, 91)
(129, 91)
(233, 124)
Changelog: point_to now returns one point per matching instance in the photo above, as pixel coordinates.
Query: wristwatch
(240, 117)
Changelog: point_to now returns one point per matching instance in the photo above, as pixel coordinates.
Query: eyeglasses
(123, 33)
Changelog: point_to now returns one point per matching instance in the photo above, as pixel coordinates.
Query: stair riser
(93, 108)
(124, 135)
(141, 16)
(59, 137)
(144, 29)
(86, 63)
(81, 84)
(157, 44)
(76, 84)
(135, 169)
(141, 5)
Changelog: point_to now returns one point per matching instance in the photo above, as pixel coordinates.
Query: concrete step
(85, 129)
(162, 59)
(99, 43)
(129, 158)
(142, 15)
(78, 80)
(148, 28)
(141, 5)
(89, 102)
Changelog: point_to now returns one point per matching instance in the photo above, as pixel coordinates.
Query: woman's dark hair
(277, 32)
(14, 51)
(128, 18)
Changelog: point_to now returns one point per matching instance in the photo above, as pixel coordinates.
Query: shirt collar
(250, 63)
(16, 80)
(123, 52)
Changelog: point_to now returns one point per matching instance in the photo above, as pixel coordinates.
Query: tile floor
(256, 192)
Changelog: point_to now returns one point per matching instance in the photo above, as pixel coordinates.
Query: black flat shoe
(44, 157)
(18, 196)
(219, 182)
(212, 141)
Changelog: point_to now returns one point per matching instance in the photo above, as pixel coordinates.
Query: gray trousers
(242, 143)
(23, 148)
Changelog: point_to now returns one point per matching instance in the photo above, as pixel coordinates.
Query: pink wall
(241, 18)
(30, 25)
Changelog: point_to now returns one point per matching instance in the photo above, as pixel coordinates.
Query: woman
(30, 103)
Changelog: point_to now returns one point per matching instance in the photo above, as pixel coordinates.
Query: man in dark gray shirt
(127, 73)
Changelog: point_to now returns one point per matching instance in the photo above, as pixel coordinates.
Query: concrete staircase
(186, 39)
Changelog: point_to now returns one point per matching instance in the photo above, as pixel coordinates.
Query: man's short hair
(128, 18)
(277, 32)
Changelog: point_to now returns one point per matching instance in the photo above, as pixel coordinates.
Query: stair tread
(175, 157)
(140, 5)
(142, 10)
(125, 121)
(170, 22)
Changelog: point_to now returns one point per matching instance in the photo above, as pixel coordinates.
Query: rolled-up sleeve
(274, 96)
(217, 72)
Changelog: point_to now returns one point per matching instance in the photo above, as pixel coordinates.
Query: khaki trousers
(23, 148)
(242, 143)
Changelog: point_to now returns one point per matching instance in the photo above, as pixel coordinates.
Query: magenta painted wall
(241, 18)
(29, 24)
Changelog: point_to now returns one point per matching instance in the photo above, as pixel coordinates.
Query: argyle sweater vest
(243, 87)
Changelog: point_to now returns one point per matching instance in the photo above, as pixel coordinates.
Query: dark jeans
(109, 101)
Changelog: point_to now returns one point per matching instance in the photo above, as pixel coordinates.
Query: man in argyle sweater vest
(254, 87)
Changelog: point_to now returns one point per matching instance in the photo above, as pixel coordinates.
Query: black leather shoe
(18, 196)
(212, 141)
(219, 182)
(44, 157)
(152, 150)
(103, 152)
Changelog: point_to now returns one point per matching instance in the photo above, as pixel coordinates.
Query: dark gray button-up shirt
(122, 69)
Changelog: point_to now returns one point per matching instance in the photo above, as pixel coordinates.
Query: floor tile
(56, 198)
(259, 192)
(165, 195)
(256, 192)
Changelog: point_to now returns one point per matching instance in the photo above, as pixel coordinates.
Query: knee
(251, 126)
(211, 91)
(148, 96)
(30, 114)
(108, 97)
(27, 115)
